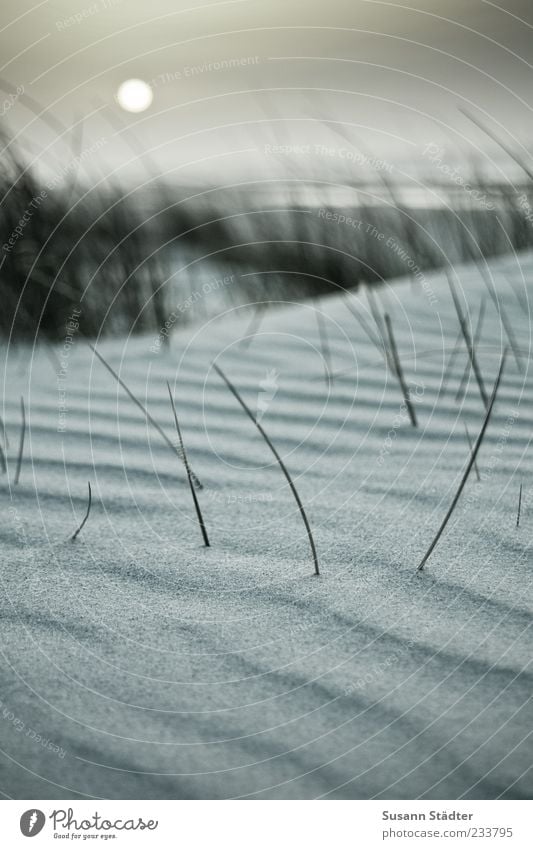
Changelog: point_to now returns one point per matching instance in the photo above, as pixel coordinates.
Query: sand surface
(136, 663)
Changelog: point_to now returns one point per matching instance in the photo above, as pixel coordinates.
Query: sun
(135, 95)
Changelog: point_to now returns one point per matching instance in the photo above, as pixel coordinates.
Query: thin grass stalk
(284, 469)
(389, 359)
(506, 324)
(519, 296)
(3, 461)
(324, 345)
(468, 342)
(399, 372)
(21, 440)
(82, 525)
(471, 447)
(477, 335)
(522, 300)
(4, 433)
(141, 406)
(519, 506)
(451, 362)
(253, 327)
(360, 320)
(473, 456)
(376, 315)
(188, 470)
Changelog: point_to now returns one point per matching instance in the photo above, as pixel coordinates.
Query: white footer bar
(267, 824)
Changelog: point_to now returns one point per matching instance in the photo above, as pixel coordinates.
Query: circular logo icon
(32, 822)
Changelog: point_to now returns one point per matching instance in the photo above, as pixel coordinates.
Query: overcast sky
(233, 79)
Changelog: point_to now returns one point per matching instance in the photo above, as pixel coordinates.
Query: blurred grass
(124, 257)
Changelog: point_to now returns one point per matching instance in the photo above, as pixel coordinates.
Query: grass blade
(254, 325)
(378, 320)
(89, 502)
(471, 462)
(468, 342)
(519, 507)
(502, 314)
(188, 470)
(249, 413)
(21, 440)
(324, 344)
(477, 335)
(4, 433)
(451, 362)
(471, 447)
(399, 372)
(136, 401)
(361, 321)
(3, 461)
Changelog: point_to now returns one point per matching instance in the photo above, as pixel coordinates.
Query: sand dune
(151, 667)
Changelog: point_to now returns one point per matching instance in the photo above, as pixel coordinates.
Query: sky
(252, 87)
